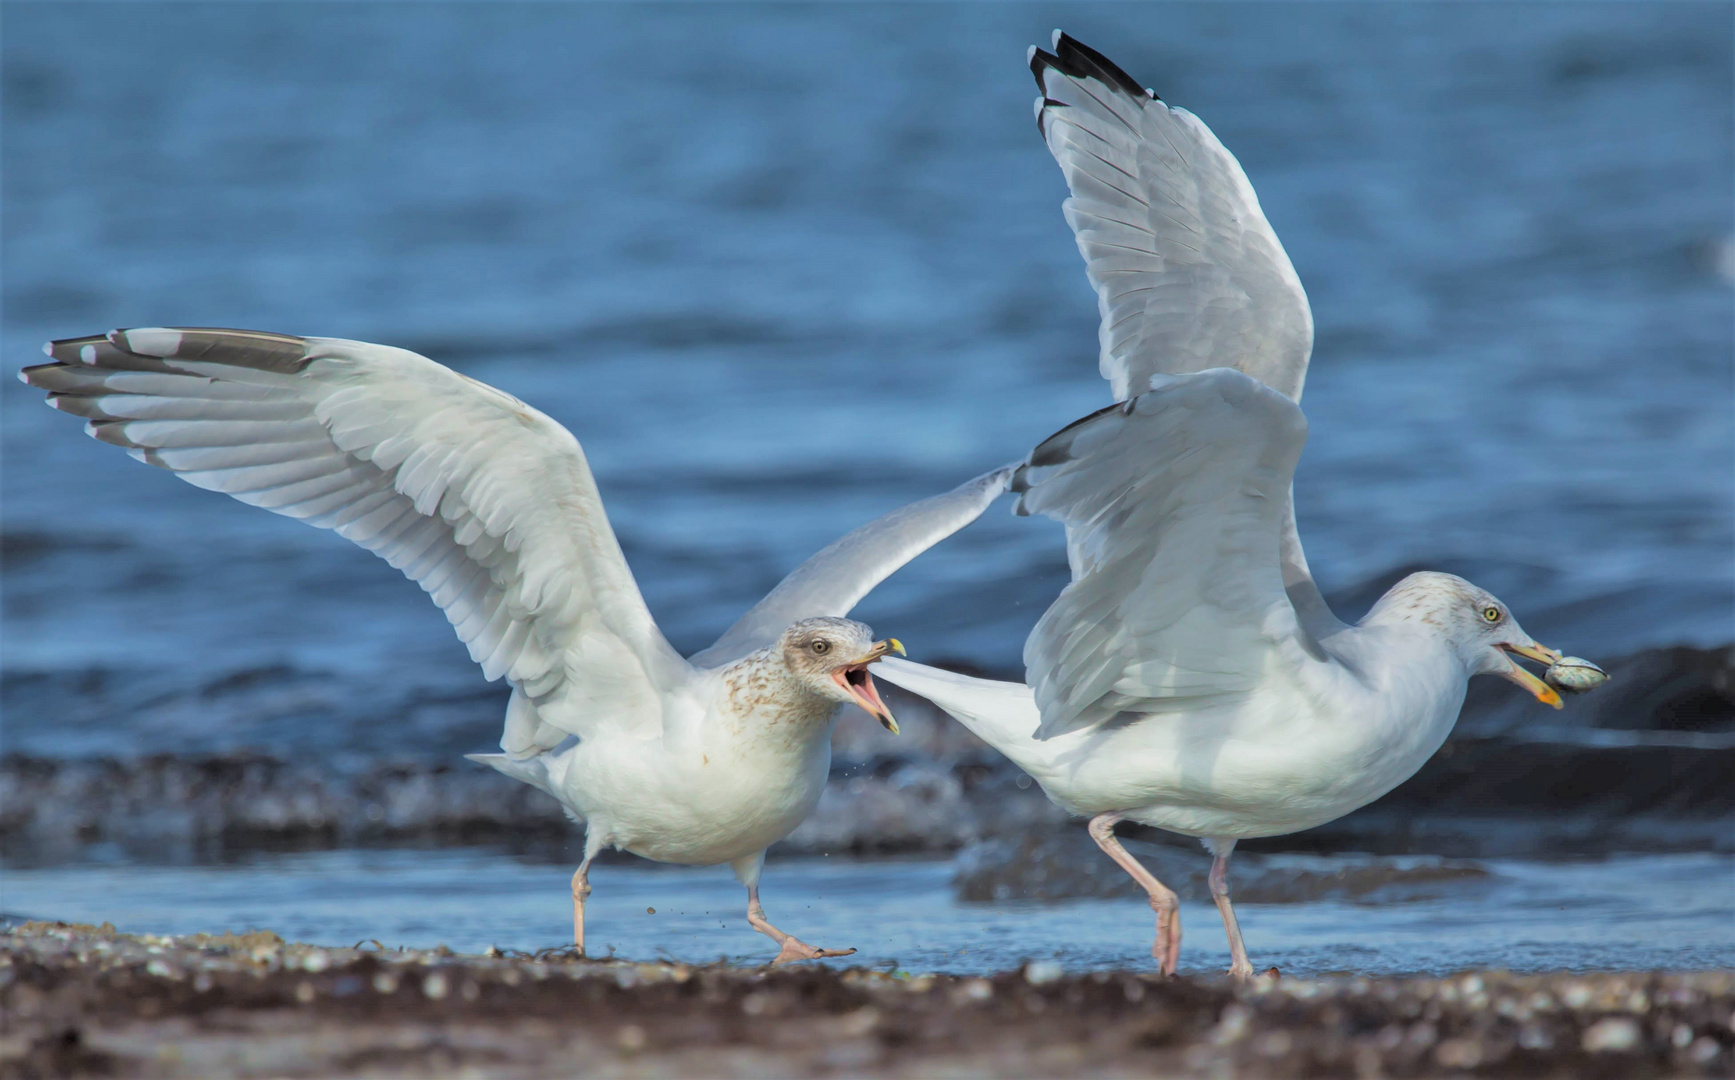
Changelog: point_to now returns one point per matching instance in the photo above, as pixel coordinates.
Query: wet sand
(87, 1001)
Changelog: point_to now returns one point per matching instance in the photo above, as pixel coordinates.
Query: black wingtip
(1041, 61)
(68, 350)
(1073, 58)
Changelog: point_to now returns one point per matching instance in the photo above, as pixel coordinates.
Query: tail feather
(532, 771)
(1002, 714)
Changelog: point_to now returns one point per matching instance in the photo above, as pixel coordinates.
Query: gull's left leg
(1239, 966)
(791, 947)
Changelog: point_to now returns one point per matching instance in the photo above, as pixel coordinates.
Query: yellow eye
(1491, 613)
(821, 645)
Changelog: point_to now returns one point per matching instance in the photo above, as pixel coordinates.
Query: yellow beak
(881, 648)
(1542, 655)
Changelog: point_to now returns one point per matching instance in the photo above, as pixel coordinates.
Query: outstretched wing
(486, 503)
(1173, 502)
(834, 581)
(1188, 273)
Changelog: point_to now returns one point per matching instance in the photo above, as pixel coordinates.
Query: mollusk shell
(1573, 675)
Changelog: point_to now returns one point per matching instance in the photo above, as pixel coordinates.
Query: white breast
(722, 786)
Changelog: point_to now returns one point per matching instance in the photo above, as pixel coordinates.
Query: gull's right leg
(1164, 902)
(593, 843)
(789, 947)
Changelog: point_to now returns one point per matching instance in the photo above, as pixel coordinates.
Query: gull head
(1477, 625)
(830, 657)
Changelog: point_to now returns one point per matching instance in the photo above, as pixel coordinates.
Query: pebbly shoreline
(88, 1001)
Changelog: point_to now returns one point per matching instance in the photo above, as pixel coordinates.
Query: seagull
(490, 506)
(1191, 677)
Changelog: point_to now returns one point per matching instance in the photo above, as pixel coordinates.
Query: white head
(1473, 621)
(830, 657)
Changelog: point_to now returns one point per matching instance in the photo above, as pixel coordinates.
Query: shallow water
(1669, 912)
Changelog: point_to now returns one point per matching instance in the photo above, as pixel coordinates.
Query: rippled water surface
(784, 268)
(1662, 913)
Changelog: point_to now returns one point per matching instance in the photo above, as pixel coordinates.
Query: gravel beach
(88, 1001)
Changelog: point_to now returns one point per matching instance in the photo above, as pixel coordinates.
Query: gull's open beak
(860, 685)
(1542, 655)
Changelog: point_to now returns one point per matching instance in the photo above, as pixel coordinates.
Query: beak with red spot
(1542, 655)
(858, 684)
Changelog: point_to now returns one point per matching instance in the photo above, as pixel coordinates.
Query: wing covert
(1173, 502)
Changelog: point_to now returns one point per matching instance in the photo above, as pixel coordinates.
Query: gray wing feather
(486, 503)
(834, 581)
(1187, 271)
(1174, 502)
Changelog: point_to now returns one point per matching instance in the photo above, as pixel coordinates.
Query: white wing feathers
(1173, 503)
(1188, 273)
(834, 581)
(486, 503)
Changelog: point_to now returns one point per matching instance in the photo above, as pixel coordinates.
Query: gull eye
(821, 646)
(1491, 613)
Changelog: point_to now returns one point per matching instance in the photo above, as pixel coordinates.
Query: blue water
(1667, 912)
(784, 268)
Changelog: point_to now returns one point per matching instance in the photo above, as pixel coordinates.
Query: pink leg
(594, 841)
(793, 948)
(1167, 949)
(1239, 966)
(580, 890)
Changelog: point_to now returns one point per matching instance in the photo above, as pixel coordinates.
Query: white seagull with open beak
(490, 506)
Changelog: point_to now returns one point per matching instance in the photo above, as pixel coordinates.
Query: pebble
(982, 990)
(1535, 1037)
(1614, 1033)
(1038, 972)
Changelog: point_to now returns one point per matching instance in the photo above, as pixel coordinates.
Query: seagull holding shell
(1191, 677)
(490, 506)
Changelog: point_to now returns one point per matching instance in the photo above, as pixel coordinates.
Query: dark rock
(1641, 765)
